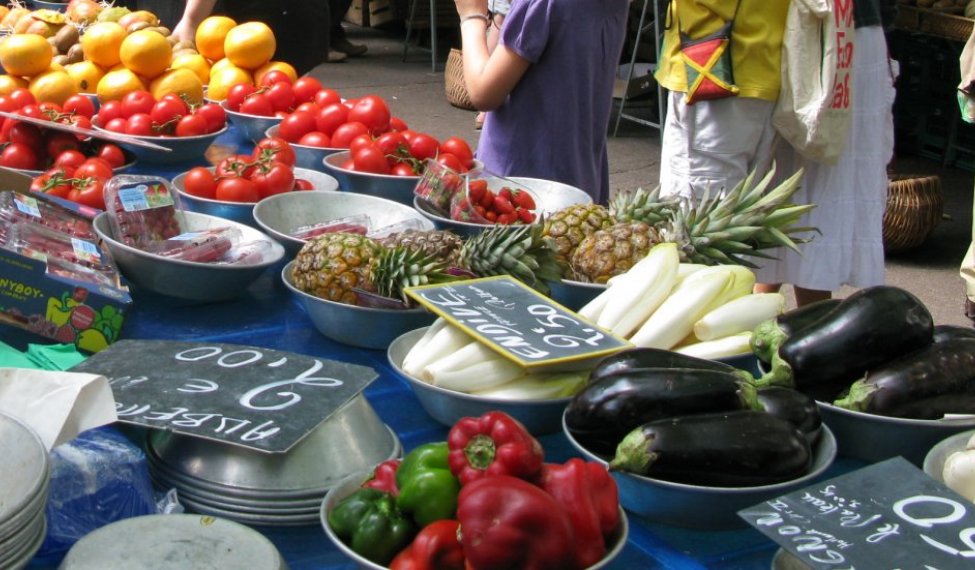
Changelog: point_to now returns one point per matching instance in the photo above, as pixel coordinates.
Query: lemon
(250, 45)
(210, 35)
(52, 86)
(101, 43)
(115, 84)
(25, 54)
(183, 82)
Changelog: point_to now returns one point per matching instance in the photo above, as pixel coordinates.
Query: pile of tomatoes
(251, 177)
(138, 113)
(76, 178)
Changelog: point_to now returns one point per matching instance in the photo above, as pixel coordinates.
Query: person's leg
(338, 41)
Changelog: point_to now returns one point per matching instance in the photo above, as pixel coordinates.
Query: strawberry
(523, 199)
(525, 215)
(502, 205)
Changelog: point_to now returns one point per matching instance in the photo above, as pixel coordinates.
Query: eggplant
(938, 369)
(867, 329)
(945, 332)
(600, 415)
(768, 335)
(638, 358)
(793, 406)
(935, 408)
(744, 448)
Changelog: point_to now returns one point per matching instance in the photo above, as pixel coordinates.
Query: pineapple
(331, 265)
(399, 267)
(516, 250)
(720, 230)
(439, 244)
(566, 228)
(643, 206)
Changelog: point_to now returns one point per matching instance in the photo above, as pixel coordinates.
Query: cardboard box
(641, 82)
(358, 14)
(370, 13)
(66, 310)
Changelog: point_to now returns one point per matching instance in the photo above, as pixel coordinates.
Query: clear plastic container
(355, 224)
(143, 209)
(247, 253)
(31, 239)
(15, 207)
(204, 246)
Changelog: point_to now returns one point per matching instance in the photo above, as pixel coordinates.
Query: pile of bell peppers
(484, 499)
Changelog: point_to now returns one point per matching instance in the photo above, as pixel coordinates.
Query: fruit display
(64, 255)
(139, 113)
(490, 479)
(143, 210)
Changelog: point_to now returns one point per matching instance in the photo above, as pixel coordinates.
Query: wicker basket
(454, 86)
(914, 208)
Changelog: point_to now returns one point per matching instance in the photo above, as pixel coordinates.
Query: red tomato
(305, 88)
(275, 178)
(109, 110)
(360, 141)
(275, 76)
(112, 154)
(344, 134)
(27, 134)
(295, 125)
(451, 162)
(302, 184)
(316, 139)
(200, 182)
(257, 104)
(423, 146)
(234, 165)
(237, 94)
(281, 95)
(325, 97)
(191, 126)
(309, 107)
(79, 121)
(331, 117)
(275, 148)
(52, 182)
(33, 111)
(459, 148)
(214, 115)
(7, 104)
(397, 124)
(50, 109)
(69, 160)
(88, 191)
(236, 190)
(94, 167)
(58, 141)
(21, 96)
(79, 105)
(407, 135)
(347, 165)
(391, 143)
(370, 159)
(116, 125)
(402, 169)
(168, 112)
(372, 112)
(138, 101)
(139, 124)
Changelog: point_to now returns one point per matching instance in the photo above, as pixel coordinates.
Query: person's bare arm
(489, 77)
(194, 13)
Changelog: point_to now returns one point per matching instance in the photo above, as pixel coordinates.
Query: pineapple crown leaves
(397, 268)
(643, 206)
(517, 250)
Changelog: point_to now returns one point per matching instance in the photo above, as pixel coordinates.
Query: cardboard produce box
(370, 13)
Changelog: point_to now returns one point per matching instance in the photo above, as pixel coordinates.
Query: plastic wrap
(96, 479)
(202, 246)
(16, 207)
(143, 209)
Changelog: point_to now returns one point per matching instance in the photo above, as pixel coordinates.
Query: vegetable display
(427, 488)
(490, 445)
(369, 522)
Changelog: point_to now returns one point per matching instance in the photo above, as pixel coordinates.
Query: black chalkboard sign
(518, 322)
(887, 516)
(243, 395)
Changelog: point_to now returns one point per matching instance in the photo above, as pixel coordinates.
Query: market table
(267, 316)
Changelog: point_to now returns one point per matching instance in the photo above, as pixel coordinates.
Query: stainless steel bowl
(364, 327)
(549, 196)
(395, 188)
(307, 156)
(243, 212)
(934, 459)
(182, 149)
(574, 294)
(188, 279)
(353, 482)
(702, 507)
(447, 406)
(250, 127)
(874, 438)
(279, 216)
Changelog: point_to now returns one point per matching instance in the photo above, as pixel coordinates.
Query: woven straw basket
(914, 208)
(454, 86)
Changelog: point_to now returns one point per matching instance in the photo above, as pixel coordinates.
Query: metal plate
(230, 503)
(270, 511)
(25, 466)
(248, 518)
(28, 546)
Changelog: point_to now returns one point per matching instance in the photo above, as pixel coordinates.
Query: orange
(101, 43)
(275, 65)
(221, 64)
(85, 74)
(183, 82)
(25, 54)
(195, 63)
(115, 84)
(210, 35)
(10, 82)
(222, 80)
(249, 45)
(53, 86)
(146, 52)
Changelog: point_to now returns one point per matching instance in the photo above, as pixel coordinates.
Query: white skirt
(850, 195)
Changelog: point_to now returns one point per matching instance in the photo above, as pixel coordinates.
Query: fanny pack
(707, 64)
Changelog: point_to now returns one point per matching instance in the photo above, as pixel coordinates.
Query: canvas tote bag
(814, 109)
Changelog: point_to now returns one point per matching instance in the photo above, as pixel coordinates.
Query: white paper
(57, 405)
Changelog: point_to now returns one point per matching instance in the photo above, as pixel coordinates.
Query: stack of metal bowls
(23, 492)
(272, 489)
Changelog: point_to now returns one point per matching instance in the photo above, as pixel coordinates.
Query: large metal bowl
(353, 482)
(447, 406)
(188, 279)
(307, 156)
(364, 327)
(702, 507)
(874, 438)
(182, 149)
(549, 196)
(250, 127)
(243, 212)
(279, 216)
(934, 459)
(574, 294)
(395, 188)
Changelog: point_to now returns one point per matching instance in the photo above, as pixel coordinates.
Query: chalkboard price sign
(259, 398)
(517, 322)
(887, 516)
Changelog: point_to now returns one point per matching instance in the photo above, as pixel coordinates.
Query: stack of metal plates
(274, 489)
(24, 476)
(186, 542)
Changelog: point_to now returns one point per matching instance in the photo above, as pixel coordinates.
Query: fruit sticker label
(144, 197)
(85, 251)
(27, 205)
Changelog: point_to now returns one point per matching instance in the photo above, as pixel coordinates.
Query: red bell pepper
(493, 444)
(590, 497)
(384, 477)
(436, 547)
(507, 523)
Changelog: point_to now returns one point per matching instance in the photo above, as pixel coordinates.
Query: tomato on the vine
(33, 111)
(316, 139)
(295, 125)
(138, 101)
(214, 115)
(402, 169)
(273, 178)
(168, 111)
(257, 104)
(331, 117)
(191, 126)
(451, 162)
(94, 167)
(424, 146)
(391, 143)
(199, 181)
(79, 105)
(237, 94)
(278, 148)
(306, 88)
(112, 154)
(372, 112)
(88, 191)
(281, 95)
(236, 189)
(234, 165)
(139, 124)
(57, 142)
(109, 110)
(345, 132)
(69, 160)
(52, 182)
(19, 155)
(459, 148)
(370, 159)
(325, 97)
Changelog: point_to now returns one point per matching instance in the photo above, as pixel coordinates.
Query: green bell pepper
(369, 522)
(427, 488)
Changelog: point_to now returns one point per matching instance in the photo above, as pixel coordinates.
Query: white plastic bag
(815, 104)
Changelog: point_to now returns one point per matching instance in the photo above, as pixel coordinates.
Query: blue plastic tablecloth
(267, 316)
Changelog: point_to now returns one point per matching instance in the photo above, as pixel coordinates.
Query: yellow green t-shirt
(756, 42)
